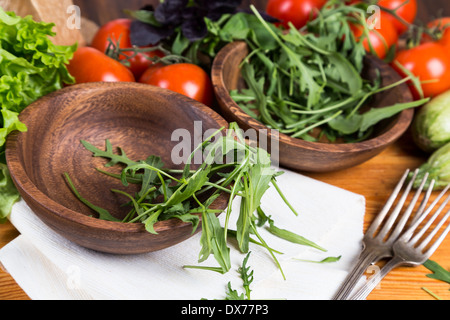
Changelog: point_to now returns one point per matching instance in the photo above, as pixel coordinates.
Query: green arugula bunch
(230, 166)
(31, 66)
(301, 80)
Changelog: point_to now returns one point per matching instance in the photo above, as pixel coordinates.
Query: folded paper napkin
(47, 266)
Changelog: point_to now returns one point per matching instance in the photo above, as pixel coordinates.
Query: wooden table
(374, 179)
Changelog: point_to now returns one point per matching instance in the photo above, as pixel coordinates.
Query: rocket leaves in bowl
(229, 165)
(312, 79)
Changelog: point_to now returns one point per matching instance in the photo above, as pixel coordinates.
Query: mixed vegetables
(304, 72)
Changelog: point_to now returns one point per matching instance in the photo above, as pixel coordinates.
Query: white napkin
(47, 266)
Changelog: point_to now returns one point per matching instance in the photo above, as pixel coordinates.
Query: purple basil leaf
(171, 12)
(195, 29)
(143, 34)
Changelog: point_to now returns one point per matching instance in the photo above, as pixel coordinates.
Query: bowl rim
(398, 127)
(28, 189)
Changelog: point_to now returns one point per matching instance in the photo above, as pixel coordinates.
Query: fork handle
(372, 283)
(366, 258)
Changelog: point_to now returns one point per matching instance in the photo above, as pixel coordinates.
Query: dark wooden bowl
(137, 117)
(302, 155)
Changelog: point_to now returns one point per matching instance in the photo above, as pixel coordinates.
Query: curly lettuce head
(31, 66)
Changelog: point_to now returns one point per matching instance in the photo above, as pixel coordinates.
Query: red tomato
(91, 65)
(380, 39)
(443, 27)
(406, 9)
(119, 30)
(185, 78)
(430, 63)
(299, 12)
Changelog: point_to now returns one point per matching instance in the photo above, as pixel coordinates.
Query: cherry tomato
(185, 78)
(299, 12)
(430, 63)
(442, 26)
(90, 65)
(381, 39)
(119, 30)
(405, 9)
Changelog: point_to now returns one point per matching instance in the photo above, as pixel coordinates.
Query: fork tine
(425, 200)
(406, 215)
(431, 220)
(380, 217)
(441, 238)
(434, 232)
(409, 233)
(393, 217)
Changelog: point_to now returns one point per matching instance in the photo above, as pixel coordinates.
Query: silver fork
(379, 246)
(408, 249)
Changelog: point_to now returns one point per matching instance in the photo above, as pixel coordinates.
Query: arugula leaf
(109, 154)
(213, 241)
(326, 260)
(439, 273)
(193, 184)
(347, 72)
(236, 28)
(103, 213)
(375, 115)
(247, 278)
(232, 294)
(292, 237)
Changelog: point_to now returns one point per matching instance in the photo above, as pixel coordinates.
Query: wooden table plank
(374, 179)
(9, 290)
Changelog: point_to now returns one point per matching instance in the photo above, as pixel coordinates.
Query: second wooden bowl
(303, 155)
(136, 117)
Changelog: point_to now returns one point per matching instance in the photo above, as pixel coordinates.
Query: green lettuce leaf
(8, 193)
(31, 66)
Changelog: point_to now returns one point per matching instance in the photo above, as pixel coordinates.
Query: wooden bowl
(302, 155)
(137, 117)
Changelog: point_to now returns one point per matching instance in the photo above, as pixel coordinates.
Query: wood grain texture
(136, 117)
(373, 179)
(304, 155)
